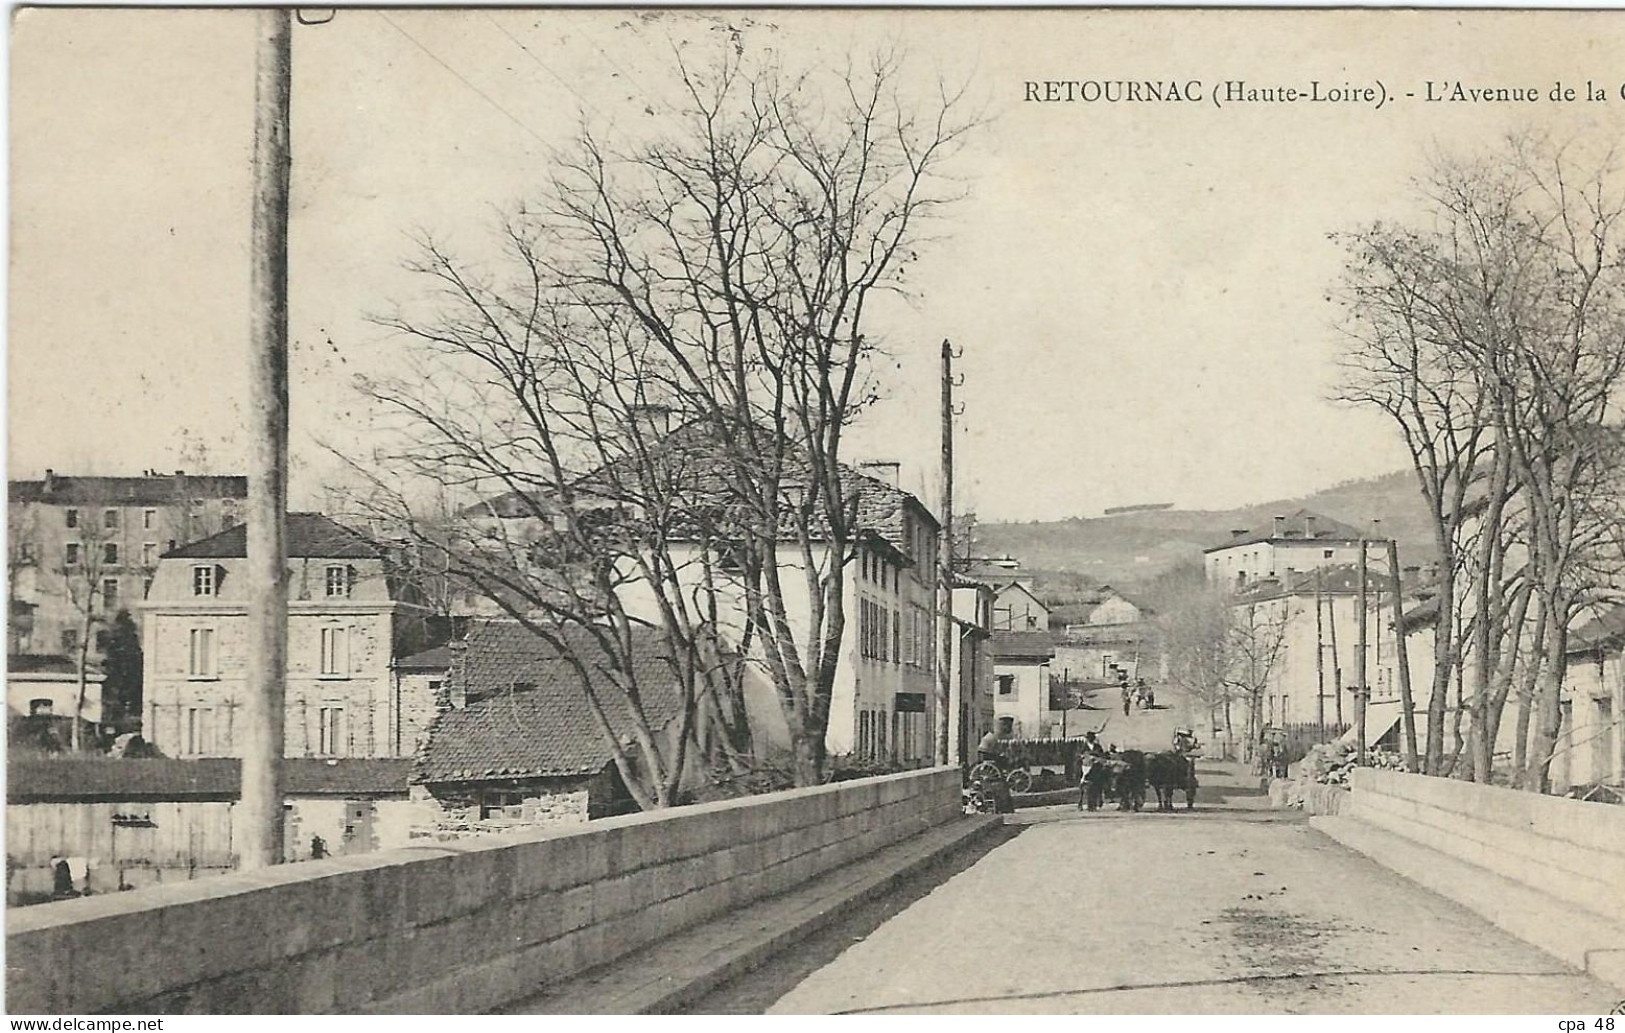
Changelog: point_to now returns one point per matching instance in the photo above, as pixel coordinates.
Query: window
(202, 580)
(897, 636)
(1007, 684)
(71, 556)
(146, 587)
(73, 518)
(199, 730)
(1326, 554)
(102, 638)
(70, 639)
(201, 659)
(331, 720)
(110, 592)
(149, 517)
(335, 652)
(25, 552)
(110, 553)
(880, 730)
(149, 554)
(110, 518)
(39, 707)
(339, 581)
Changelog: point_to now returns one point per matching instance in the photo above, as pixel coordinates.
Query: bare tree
(729, 266)
(91, 559)
(1495, 337)
(1196, 629)
(1257, 647)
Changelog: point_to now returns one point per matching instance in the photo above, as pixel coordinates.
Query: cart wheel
(984, 771)
(1019, 780)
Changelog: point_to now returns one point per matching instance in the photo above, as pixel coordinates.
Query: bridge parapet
(1566, 849)
(453, 927)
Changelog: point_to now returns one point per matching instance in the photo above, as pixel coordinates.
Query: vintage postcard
(816, 511)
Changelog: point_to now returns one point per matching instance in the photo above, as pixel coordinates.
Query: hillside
(1133, 547)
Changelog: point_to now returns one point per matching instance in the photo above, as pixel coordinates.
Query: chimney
(1308, 525)
(887, 470)
(50, 480)
(1237, 532)
(1280, 527)
(652, 420)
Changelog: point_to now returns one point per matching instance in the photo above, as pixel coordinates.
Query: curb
(737, 962)
(703, 966)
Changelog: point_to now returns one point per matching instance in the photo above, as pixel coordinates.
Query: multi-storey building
(1293, 544)
(348, 617)
(87, 547)
(885, 678)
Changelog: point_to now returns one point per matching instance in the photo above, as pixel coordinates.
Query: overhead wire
(515, 119)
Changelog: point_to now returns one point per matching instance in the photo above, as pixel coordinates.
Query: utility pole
(1337, 659)
(1359, 656)
(945, 549)
(1320, 660)
(261, 799)
(1402, 658)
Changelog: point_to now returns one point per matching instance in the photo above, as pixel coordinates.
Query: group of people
(1139, 695)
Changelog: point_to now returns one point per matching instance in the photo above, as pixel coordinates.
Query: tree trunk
(1548, 711)
(79, 706)
(1443, 666)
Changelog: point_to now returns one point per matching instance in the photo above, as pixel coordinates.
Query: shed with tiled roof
(524, 724)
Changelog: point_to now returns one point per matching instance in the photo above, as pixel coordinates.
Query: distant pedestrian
(1128, 698)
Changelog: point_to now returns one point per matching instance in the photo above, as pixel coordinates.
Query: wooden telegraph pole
(1320, 659)
(945, 573)
(1359, 657)
(1402, 658)
(261, 799)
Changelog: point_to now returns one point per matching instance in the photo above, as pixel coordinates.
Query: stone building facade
(96, 541)
(345, 621)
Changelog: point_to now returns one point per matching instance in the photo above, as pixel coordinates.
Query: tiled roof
(436, 659)
(216, 778)
(527, 714)
(1070, 613)
(1604, 629)
(1022, 645)
(694, 461)
(161, 490)
(39, 663)
(1325, 529)
(310, 536)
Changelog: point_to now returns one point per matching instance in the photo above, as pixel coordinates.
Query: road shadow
(755, 991)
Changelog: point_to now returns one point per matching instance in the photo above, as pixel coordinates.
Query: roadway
(1232, 908)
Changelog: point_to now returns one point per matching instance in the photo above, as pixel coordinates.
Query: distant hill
(1128, 548)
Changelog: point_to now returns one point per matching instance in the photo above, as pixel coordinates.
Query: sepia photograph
(815, 511)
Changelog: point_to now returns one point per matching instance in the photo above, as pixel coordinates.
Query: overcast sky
(1139, 289)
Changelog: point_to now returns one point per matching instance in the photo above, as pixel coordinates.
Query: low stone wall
(452, 927)
(1311, 796)
(1566, 849)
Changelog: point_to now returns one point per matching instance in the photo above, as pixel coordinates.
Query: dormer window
(339, 582)
(203, 580)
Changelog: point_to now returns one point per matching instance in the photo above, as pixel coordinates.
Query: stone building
(349, 616)
(1303, 541)
(94, 542)
(516, 743)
